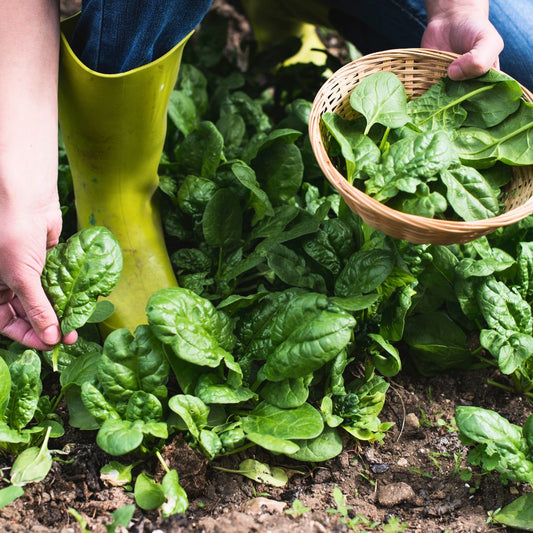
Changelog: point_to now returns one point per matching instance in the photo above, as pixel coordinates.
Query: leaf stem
(499, 385)
(162, 461)
(236, 450)
(58, 399)
(384, 139)
(44, 445)
(55, 356)
(505, 138)
(458, 101)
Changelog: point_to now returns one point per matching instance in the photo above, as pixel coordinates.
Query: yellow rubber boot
(276, 20)
(114, 127)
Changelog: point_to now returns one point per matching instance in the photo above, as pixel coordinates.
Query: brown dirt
(414, 475)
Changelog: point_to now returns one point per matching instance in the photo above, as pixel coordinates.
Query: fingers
(19, 329)
(29, 318)
(53, 233)
(479, 59)
(35, 308)
(70, 338)
(14, 323)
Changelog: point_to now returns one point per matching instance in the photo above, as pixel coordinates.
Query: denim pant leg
(514, 20)
(119, 35)
(374, 25)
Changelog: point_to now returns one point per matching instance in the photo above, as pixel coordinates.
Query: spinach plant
(27, 420)
(499, 445)
(26, 415)
(125, 397)
(79, 271)
(291, 314)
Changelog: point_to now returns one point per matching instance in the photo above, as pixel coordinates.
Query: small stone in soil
(396, 493)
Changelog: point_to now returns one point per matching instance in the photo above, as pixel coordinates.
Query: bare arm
(31, 218)
(463, 26)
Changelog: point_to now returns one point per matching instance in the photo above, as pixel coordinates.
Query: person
(113, 42)
(108, 39)
(467, 27)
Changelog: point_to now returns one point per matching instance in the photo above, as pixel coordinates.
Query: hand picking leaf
(77, 272)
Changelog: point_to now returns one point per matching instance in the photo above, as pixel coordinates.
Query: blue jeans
(119, 35)
(374, 25)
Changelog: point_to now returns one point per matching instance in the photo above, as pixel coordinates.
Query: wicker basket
(418, 69)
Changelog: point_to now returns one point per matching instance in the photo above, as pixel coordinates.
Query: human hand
(464, 30)
(31, 217)
(26, 314)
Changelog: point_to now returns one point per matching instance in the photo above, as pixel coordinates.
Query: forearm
(437, 8)
(29, 56)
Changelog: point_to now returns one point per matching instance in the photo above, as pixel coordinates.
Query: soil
(415, 475)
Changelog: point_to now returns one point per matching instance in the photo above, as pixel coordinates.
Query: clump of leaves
(498, 444)
(78, 272)
(445, 154)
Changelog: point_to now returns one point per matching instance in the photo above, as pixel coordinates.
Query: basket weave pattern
(417, 69)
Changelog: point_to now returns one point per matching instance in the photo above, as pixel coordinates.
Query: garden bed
(417, 479)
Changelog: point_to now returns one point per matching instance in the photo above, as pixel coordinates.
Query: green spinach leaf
(79, 271)
(381, 99)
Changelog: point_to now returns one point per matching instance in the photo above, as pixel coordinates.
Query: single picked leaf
(409, 162)
(356, 148)
(435, 109)
(469, 194)
(261, 472)
(79, 271)
(510, 142)
(488, 99)
(381, 99)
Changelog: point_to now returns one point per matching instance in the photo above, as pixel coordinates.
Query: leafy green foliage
(80, 270)
(381, 99)
(291, 313)
(282, 289)
(499, 445)
(518, 514)
(426, 161)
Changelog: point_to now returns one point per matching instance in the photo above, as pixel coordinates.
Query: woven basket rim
(449, 228)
